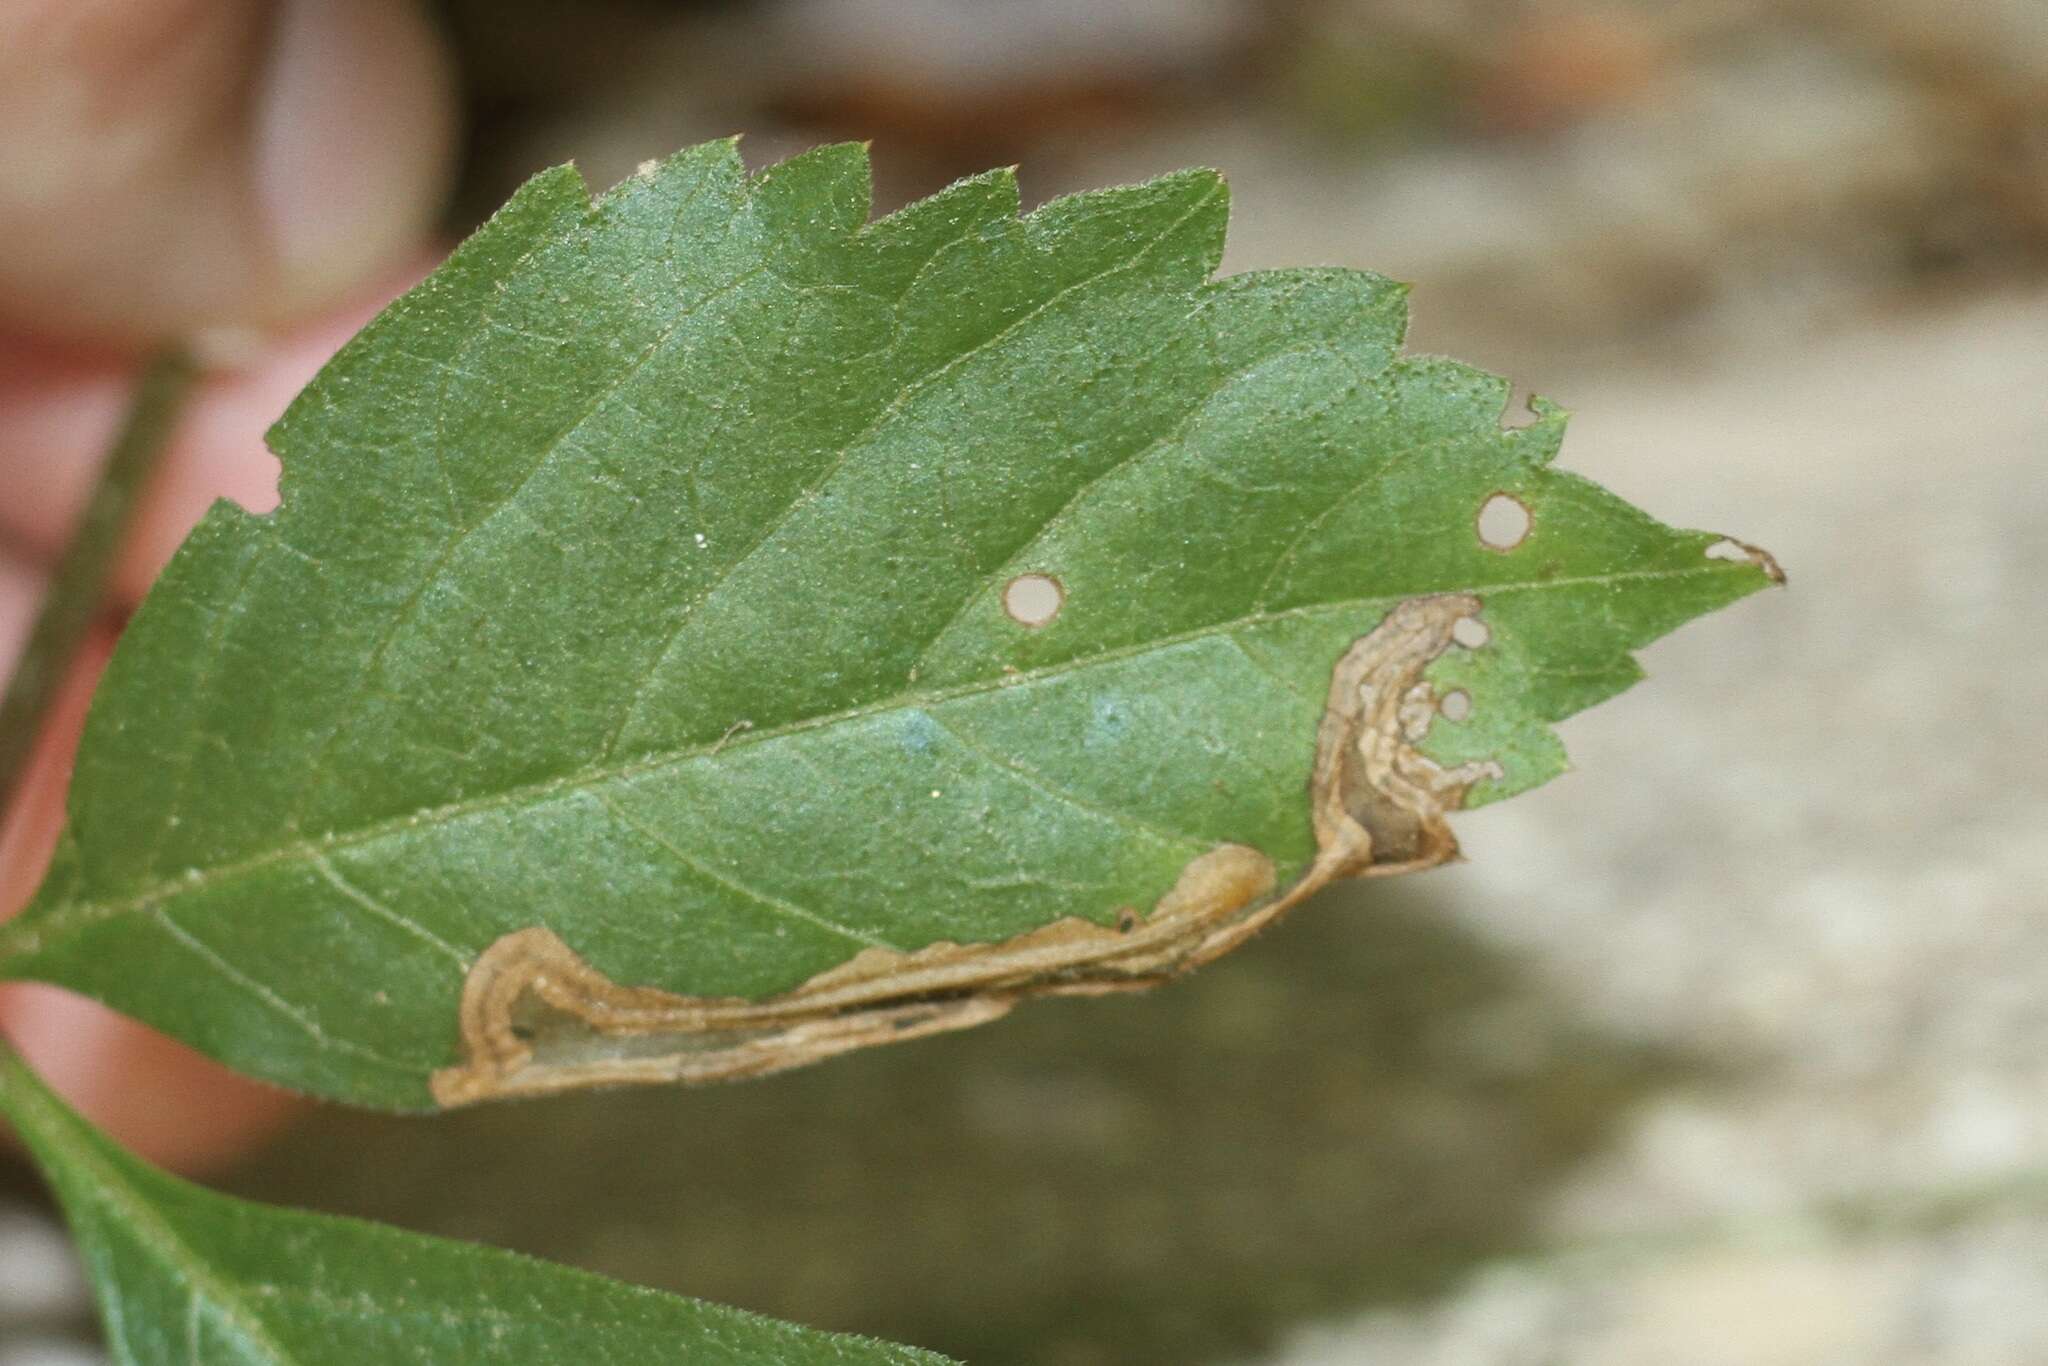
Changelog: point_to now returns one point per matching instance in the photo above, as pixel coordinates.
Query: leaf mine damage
(536, 1019)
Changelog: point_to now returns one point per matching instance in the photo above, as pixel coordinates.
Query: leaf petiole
(78, 585)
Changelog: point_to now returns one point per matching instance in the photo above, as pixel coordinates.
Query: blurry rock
(1775, 181)
(1931, 1299)
(974, 83)
(2001, 42)
(960, 49)
(1563, 67)
(1985, 64)
(37, 1350)
(944, 87)
(1494, 66)
(40, 1280)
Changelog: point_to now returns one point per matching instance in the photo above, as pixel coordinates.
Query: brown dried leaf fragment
(536, 1019)
(1742, 552)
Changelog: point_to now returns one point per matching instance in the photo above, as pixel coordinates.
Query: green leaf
(640, 604)
(185, 1275)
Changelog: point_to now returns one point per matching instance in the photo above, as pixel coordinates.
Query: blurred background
(1730, 1048)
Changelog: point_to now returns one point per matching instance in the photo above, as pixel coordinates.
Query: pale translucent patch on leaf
(1033, 599)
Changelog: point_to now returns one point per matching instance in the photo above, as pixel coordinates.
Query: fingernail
(354, 138)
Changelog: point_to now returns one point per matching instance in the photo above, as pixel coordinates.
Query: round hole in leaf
(1033, 599)
(1503, 522)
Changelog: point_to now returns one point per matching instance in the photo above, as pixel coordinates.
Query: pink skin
(159, 1097)
(57, 413)
(245, 172)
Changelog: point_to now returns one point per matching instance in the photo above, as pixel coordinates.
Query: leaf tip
(1742, 552)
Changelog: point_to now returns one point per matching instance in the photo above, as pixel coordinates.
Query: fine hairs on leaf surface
(189, 1277)
(705, 629)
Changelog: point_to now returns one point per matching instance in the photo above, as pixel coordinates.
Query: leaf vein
(402, 615)
(1060, 792)
(845, 453)
(21, 937)
(1382, 467)
(266, 994)
(1012, 562)
(356, 896)
(789, 909)
(209, 660)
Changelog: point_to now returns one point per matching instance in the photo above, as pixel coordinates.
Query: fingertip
(170, 167)
(152, 1095)
(353, 146)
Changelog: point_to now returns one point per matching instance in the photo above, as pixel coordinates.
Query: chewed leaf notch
(820, 626)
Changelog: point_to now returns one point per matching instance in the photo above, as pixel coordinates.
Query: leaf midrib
(25, 936)
(808, 494)
(108, 1185)
(607, 393)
